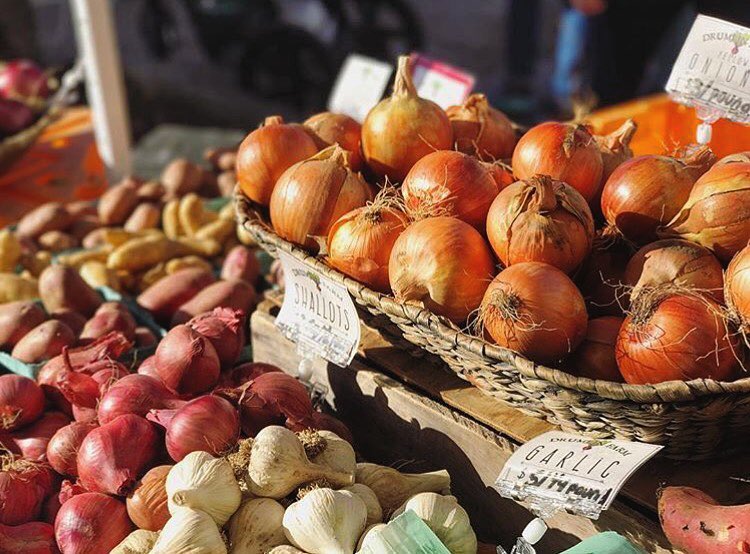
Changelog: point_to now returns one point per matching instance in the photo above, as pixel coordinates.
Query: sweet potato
(72, 319)
(178, 264)
(10, 251)
(180, 177)
(168, 294)
(43, 342)
(226, 294)
(97, 274)
(241, 263)
(223, 158)
(51, 216)
(144, 337)
(143, 252)
(57, 241)
(77, 259)
(17, 319)
(81, 208)
(209, 187)
(193, 215)
(37, 262)
(226, 181)
(17, 287)
(151, 191)
(696, 524)
(106, 320)
(84, 225)
(61, 287)
(146, 215)
(118, 203)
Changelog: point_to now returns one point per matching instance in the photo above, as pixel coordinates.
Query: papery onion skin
(225, 329)
(207, 423)
(267, 152)
(21, 401)
(91, 523)
(615, 147)
(595, 356)
(534, 309)
(717, 212)
(444, 263)
(501, 173)
(360, 244)
(112, 457)
(601, 278)
(678, 337)
(481, 130)
(743, 157)
(737, 288)
(135, 394)
(32, 440)
(403, 128)
(541, 220)
(311, 195)
(186, 362)
(62, 449)
(451, 184)
(678, 262)
(337, 128)
(646, 192)
(23, 487)
(30, 538)
(281, 395)
(147, 505)
(565, 152)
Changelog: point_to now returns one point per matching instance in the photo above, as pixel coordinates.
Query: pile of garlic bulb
(297, 493)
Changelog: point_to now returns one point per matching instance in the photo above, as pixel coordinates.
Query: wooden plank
(396, 425)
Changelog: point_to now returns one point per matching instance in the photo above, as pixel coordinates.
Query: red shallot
(32, 441)
(62, 448)
(135, 394)
(91, 523)
(225, 329)
(24, 485)
(21, 401)
(186, 362)
(34, 537)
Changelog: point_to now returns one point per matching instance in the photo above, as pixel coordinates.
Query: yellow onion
(615, 147)
(337, 128)
(743, 157)
(737, 289)
(147, 505)
(312, 194)
(595, 357)
(717, 212)
(269, 151)
(501, 173)
(602, 276)
(564, 151)
(480, 130)
(534, 309)
(404, 128)
(541, 220)
(444, 263)
(452, 184)
(360, 242)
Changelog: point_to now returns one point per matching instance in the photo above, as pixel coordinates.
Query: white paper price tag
(713, 69)
(318, 314)
(443, 84)
(560, 471)
(359, 86)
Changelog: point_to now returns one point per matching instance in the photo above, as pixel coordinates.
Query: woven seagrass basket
(693, 420)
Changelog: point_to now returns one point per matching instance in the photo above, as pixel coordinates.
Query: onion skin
(534, 309)
(615, 147)
(186, 362)
(565, 152)
(267, 152)
(337, 128)
(501, 173)
(481, 130)
(91, 523)
(21, 401)
(451, 184)
(541, 220)
(62, 448)
(679, 262)
(274, 397)
(225, 329)
(360, 244)
(147, 505)
(678, 337)
(717, 212)
(135, 394)
(602, 276)
(737, 288)
(404, 128)
(444, 263)
(30, 538)
(595, 357)
(646, 192)
(113, 456)
(311, 195)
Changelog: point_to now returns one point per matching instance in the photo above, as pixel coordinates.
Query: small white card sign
(442, 83)
(562, 471)
(359, 86)
(317, 314)
(713, 69)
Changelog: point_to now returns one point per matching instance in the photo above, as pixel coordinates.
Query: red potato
(144, 216)
(151, 191)
(51, 216)
(62, 287)
(17, 319)
(118, 202)
(225, 294)
(57, 241)
(43, 342)
(72, 319)
(180, 177)
(209, 187)
(241, 263)
(696, 524)
(81, 208)
(164, 297)
(109, 318)
(226, 182)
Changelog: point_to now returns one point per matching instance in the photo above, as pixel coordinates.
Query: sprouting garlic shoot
(139, 541)
(189, 532)
(326, 521)
(202, 482)
(393, 488)
(256, 527)
(374, 511)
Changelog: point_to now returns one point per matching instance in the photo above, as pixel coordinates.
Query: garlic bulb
(278, 465)
(326, 521)
(137, 542)
(333, 452)
(368, 535)
(447, 519)
(256, 527)
(202, 482)
(286, 549)
(393, 488)
(189, 532)
(374, 511)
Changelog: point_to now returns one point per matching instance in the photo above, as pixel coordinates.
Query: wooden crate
(411, 411)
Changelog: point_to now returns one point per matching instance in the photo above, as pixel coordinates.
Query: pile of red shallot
(85, 449)
(559, 243)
